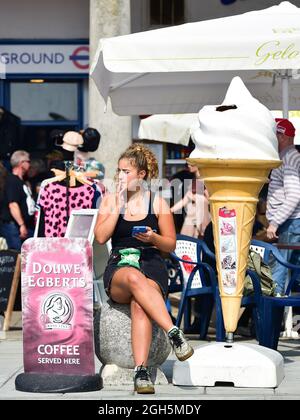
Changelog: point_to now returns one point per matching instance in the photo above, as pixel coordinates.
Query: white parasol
(177, 128)
(182, 68)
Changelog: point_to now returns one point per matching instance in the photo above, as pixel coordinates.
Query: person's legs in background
(11, 233)
(208, 238)
(288, 233)
(280, 272)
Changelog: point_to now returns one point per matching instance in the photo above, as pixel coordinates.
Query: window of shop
(166, 12)
(44, 101)
(43, 107)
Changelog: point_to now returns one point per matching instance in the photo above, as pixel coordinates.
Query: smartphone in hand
(138, 229)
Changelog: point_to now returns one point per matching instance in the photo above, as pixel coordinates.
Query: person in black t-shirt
(3, 174)
(18, 205)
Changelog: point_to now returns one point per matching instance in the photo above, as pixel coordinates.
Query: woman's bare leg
(128, 282)
(141, 334)
(187, 228)
(141, 330)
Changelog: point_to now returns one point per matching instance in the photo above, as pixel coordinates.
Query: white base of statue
(243, 365)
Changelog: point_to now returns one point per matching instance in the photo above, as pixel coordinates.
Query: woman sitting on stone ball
(136, 273)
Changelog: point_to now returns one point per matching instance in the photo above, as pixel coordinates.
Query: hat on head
(284, 126)
(71, 141)
(91, 140)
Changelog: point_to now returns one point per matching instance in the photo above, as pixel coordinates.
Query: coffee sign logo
(57, 312)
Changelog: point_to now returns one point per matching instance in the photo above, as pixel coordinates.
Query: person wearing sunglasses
(17, 208)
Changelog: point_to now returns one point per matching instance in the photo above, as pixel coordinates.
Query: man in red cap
(283, 202)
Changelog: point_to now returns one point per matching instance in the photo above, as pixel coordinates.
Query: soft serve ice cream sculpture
(236, 147)
(246, 131)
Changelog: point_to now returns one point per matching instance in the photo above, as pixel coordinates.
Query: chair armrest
(206, 250)
(289, 265)
(198, 266)
(276, 253)
(180, 259)
(256, 283)
(282, 261)
(211, 273)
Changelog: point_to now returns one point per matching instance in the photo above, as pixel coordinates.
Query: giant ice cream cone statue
(233, 186)
(236, 147)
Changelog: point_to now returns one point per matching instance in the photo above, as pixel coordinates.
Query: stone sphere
(112, 330)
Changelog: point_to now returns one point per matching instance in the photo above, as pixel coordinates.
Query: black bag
(255, 263)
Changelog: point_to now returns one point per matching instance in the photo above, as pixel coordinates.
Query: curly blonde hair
(142, 158)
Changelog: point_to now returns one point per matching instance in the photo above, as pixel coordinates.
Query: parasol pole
(285, 94)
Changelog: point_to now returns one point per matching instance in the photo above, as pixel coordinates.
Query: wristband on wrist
(22, 224)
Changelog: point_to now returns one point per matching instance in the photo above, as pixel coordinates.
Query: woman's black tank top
(122, 233)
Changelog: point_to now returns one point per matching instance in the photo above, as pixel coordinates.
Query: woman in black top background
(136, 273)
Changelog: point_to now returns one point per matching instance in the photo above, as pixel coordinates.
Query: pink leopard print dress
(53, 202)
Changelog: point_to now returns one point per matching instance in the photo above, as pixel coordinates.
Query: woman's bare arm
(180, 204)
(107, 218)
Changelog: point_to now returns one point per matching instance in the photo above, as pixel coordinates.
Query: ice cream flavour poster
(228, 249)
(57, 305)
